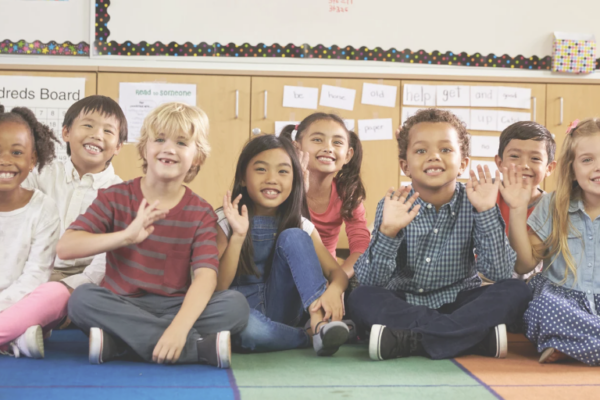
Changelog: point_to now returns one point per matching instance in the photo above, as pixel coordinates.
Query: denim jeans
(278, 301)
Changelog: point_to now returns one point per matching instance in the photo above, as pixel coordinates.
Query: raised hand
(239, 223)
(396, 214)
(483, 193)
(304, 157)
(515, 190)
(141, 227)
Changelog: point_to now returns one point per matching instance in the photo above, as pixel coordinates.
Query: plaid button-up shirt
(433, 258)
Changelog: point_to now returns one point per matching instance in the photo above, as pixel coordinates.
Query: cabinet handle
(534, 108)
(266, 96)
(562, 108)
(256, 131)
(237, 104)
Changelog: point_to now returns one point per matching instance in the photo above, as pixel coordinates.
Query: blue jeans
(277, 305)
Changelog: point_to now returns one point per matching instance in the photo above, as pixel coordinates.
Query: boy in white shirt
(94, 129)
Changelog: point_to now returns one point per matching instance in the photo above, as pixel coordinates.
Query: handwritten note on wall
(484, 96)
(513, 97)
(453, 96)
(419, 95)
(375, 129)
(337, 97)
(484, 146)
(484, 120)
(300, 97)
(507, 118)
(379, 95)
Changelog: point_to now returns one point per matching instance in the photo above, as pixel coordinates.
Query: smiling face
(17, 157)
(94, 140)
(586, 165)
(268, 180)
(433, 157)
(170, 157)
(326, 142)
(531, 156)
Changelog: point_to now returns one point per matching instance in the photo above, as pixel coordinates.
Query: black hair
(348, 182)
(43, 138)
(289, 213)
(527, 130)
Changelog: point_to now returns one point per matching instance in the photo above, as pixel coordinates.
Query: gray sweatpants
(141, 321)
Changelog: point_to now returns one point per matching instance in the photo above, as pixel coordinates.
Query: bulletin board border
(103, 46)
(51, 48)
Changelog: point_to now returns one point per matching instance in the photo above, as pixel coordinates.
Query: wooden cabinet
(380, 168)
(217, 96)
(566, 103)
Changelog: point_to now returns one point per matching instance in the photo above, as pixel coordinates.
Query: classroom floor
(296, 374)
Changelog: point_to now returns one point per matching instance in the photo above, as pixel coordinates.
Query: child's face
(327, 145)
(532, 156)
(94, 139)
(586, 165)
(269, 179)
(17, 157)
(170, 156)
(433, 158)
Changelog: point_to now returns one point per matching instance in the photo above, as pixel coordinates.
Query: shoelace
(406, 344)
(16, 353)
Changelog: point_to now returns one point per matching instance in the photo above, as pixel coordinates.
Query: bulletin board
(475, 34)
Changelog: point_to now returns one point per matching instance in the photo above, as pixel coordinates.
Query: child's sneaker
(215, 349)
(31, 343)
(495, 344)
(386, 343)
(103, 347)
(330, 337)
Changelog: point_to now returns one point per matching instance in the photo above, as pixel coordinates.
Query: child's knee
(81, 299)
(237, 310)
(291, 236)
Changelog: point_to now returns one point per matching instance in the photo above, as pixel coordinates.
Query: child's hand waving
(515, 190)
(483, 193)
(141, 227)
(239, 223)
(396, 214)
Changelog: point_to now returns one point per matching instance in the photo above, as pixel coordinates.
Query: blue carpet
(66, 373)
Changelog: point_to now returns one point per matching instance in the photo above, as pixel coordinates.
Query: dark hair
(106, 106)
(434, 115)
(289, 213)
(43, 137)
(348, 183)
(527, 130)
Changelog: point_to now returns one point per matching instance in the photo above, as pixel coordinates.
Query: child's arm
(358, 238)
(171, 343)
(377, 265)
(239, 225)
(517, 193)
(79, 244)
(93, 273)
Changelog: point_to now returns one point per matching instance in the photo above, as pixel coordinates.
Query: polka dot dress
(563, 319)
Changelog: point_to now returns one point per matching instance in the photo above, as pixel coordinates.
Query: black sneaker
(495, 344)
(215, 349)
(103, 347)
(386, 343)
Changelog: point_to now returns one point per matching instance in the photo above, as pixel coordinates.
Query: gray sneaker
(103, 347)
(330, 337)
(215, 349)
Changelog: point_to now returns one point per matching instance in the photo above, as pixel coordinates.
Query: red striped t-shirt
(186, 238)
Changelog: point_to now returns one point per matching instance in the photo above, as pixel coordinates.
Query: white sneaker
(31, 343)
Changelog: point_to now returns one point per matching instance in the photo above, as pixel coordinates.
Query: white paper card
(375, 129)
(507, 118)
(513, 97)
(349, 124)
(419, 95)
(138, 99)
(491, 165)
(337, 97)
(379, 95)
(279, 125)
(464, 114)
(300, 97)
(484, 120)
(484, 146)
(408, 112)
(484, 96)
(453, 96)
(48, 98)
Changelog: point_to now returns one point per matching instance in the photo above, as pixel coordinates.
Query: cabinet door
(216, 95)
(566, 103)
(537, 109)
(380, 166)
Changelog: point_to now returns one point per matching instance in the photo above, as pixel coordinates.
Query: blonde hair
(567, 189)
(172, 119)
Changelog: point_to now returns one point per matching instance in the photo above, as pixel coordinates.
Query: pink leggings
(45, 306)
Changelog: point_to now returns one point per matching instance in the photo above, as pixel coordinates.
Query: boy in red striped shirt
(153, 230)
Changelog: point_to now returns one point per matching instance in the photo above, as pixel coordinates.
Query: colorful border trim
(37, 47)
(103, 46)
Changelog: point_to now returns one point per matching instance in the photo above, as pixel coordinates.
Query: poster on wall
(49, 98)
(138, 99)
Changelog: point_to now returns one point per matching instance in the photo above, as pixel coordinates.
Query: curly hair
(434, 115)
(43, 138)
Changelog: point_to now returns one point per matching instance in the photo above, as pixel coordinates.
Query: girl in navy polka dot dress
(562, 320)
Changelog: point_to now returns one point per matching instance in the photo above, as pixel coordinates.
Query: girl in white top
(29, 222)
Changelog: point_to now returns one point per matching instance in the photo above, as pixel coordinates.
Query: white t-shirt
(28, 238)
(307, 226)
(73, 195)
